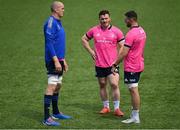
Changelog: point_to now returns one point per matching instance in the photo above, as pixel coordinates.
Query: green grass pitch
(23, 75)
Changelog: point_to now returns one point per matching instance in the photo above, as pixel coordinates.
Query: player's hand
(65, 66)
(58, 66)
(114, 69)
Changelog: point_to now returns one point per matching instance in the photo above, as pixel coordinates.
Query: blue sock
(47, 103)
(55, 103)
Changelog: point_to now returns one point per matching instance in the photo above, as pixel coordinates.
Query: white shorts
(132, 85)
(54, 79)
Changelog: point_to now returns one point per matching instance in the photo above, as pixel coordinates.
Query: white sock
(106, 103)
(116, 104)
(135, 114)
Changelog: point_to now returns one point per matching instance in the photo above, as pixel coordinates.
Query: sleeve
(89, 34)
(50, 37)
(129, 40)
(120, 36)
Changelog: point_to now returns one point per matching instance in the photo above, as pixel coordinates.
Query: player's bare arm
(122, 54)
(66, 67)
(120, 49)
(123, 51)
(85, 42)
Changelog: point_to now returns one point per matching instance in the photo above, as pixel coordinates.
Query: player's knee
(50, 89)
(133, 90)
(114, 86)
(102, 85)
(58, 87)
(56, 90)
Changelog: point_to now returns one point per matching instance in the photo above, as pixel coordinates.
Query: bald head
(57, 9)
(55, 5)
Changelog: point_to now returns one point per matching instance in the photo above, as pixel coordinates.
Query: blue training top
(55, 39)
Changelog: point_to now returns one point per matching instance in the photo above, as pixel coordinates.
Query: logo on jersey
(104, 41)
(98, 34)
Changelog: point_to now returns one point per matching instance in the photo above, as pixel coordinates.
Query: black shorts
(131, 77)
(104, 72)
(51, 68)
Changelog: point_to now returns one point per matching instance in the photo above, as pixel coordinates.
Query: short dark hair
(131, 14)
(103, 12)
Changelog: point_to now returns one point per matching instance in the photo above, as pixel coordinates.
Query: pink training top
(105, 44)
(135, 39)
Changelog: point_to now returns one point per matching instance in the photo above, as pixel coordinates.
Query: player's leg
(135, 100)
(55, 97)
(102, 80)
(53, 80)
(102, 86)
(103, 94)
(56, 113)
(135, 97)
(114, 83)
(48, 99)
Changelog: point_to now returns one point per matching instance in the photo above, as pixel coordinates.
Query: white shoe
(131, 120)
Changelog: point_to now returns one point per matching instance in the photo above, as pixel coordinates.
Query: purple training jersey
(135, 39)
(105, 44)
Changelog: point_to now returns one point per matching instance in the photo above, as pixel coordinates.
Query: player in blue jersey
(55, 45)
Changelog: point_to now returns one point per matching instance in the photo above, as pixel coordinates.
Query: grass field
(23, 75)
